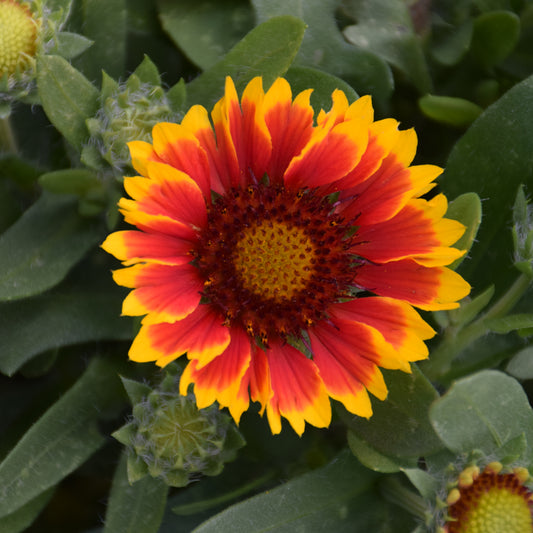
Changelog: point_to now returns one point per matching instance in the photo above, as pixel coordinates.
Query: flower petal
(243, 140)
(417, 231)
(298, 392)
(156, 223)
(132, 246)
(259, 378)
(382, 136)
(174, 194)
(162, 292)
(196, 121)
(220, 380)
(141, 152)
(393, 184)
(178, 147)
(328, 156)
(290, 125)
(337, 112)
(200, 334)
(347, 357)
(168, 201)
(430, 289)
(397, 321)
(253, 143)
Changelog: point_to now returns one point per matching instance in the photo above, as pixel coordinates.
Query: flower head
(18, 37)
(492, 501)
(284, 256)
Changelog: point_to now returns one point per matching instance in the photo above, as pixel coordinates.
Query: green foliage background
(460, 72)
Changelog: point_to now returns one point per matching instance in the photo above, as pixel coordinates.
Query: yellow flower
(492, 501)
(18, 36)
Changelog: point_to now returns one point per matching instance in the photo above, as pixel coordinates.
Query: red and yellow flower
(282, 255)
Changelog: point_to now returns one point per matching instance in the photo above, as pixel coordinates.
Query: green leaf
(70, 45)
(492, 5)
(67, 96)
(61, 440)
(426, 484)
(307, 503)
(510, 323)
(105, 23)
(205, 31)
(449, 110)
(373, 459)
(323, 85)
(521, 364)
(136, 391)
(475, 413)
(513, 450)
(60, 10)
(177, 95)
(203, 505)
(399, 427)
(109, 87)
(84, 308)
(136, 508)
(452, 45)
(18, 170)
(38, 250)
(21, 519)
(268, 51)
(493, 158)
(384, 28)
(77, 181)
(325, 48)
(147, 72)
(467, 210)
(188, 508)
(494, 37)
(10, 208)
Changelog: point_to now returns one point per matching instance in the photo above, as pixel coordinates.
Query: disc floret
(275, 259)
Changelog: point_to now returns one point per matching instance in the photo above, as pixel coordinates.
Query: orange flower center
(274, 260)
(494, 503)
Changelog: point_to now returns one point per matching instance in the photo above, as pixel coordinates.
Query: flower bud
(129, 112)
(523, 233)
(168, 437)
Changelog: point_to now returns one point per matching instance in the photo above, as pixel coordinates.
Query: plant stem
(395, 492)
(7, 139)
(456, 341)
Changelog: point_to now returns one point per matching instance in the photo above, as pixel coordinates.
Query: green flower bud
(523, 233)
(168, 437)
(128, 112)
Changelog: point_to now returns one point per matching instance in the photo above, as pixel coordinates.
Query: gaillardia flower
(284, 256)
(18, 37)
(492, 501)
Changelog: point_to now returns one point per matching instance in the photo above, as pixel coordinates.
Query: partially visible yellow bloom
(18, 37)
(493, 501)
